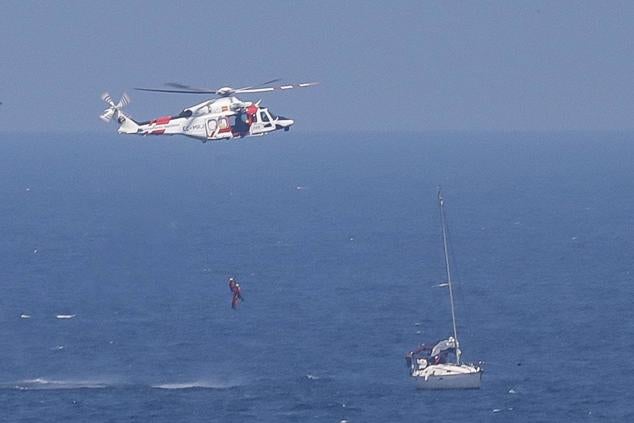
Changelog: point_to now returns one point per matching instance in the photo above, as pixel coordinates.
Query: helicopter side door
(263, 123)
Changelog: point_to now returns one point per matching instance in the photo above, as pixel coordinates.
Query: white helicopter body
(223, 118)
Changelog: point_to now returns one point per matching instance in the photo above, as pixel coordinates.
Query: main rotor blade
(158, 90)
(191, 89)
(181, 86)
(254, 90)
(186, 87)
(272, 81)
(278, 88)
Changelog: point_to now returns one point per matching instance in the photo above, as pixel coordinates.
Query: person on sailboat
(234, 287)
(442, 349)
(419, 358)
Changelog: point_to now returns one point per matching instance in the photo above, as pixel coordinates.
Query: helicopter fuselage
(213, 120)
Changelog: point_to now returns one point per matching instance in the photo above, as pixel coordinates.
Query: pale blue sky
(414, 65)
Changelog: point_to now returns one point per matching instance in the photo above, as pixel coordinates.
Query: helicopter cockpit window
(184, 114)
(264, 117)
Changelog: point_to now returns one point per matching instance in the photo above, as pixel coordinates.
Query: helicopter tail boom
(127, 124)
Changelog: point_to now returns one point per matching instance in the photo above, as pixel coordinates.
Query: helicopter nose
(284, 123)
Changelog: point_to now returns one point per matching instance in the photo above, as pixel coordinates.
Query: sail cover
(444, 345)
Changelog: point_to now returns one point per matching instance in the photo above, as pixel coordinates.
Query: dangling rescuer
(234, 286)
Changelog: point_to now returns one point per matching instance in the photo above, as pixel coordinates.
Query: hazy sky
(383, 65)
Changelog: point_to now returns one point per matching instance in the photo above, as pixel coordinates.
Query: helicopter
(223, 117)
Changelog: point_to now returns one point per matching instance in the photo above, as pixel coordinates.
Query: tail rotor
(113, 108)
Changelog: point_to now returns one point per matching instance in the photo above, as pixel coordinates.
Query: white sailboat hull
(448, 376)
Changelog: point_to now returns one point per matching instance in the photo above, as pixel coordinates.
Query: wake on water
(41, 383)
(197, 385)
(44, 384)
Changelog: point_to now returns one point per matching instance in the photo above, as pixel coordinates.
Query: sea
(115, 253)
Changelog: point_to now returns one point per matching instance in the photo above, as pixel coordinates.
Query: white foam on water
(65, 316)
(201, 384)
(312, 377)
(25, 316)
(42, 383)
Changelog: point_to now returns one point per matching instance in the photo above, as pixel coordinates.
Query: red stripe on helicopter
(162, 120)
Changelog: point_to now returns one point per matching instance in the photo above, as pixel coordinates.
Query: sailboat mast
(441, 203)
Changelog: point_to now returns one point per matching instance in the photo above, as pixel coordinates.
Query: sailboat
(430, 365)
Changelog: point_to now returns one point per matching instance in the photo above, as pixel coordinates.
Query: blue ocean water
(335, 239)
